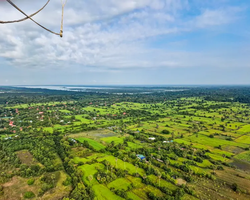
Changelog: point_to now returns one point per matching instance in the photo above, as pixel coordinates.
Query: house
(140, 156)
(151, 138)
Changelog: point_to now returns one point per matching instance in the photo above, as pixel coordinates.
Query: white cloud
(102, 35)
(217, 17)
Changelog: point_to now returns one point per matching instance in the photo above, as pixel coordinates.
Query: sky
(130, 42)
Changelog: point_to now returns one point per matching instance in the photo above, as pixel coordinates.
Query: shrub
(165, 132)
(1, 190)
(235, 187)
(29, 195)
(67, 181)
(30, 181)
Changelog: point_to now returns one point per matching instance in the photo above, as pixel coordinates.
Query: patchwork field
(185, 148)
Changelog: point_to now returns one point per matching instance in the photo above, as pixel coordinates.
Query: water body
(107, 89)
(66, 88)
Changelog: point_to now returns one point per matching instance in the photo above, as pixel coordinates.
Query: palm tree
(136, 167)
(107, 164)
(214, 168)
(124, 159)
(144, 176)
(116, 159)
(166, 162)
(172, 135)
(98, 177)
(149, 163)
(90, 177)
(159, 176)
(111, 168)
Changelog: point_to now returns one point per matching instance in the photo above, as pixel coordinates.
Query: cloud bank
(111, 35)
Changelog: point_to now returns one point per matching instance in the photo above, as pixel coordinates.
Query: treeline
(14, 95)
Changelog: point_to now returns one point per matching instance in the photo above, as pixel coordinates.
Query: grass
(83, 120)
(89, 158)
(155, 179)
(131, 195)
(212, 142)
(37, 104)
(94, 134)
(27, 158)
(48, 129)
(136, 181)
(245, 129)
(120, 164)
(244, 156)
(120, 183)
(205, 163)
(116, 140)
(90, 170)
(93, 143)
(217, 157)
(103, 193)
(65, 111)
(134, 145)
(15, 188)
(243, 139)
(142, 192)
(61, 190)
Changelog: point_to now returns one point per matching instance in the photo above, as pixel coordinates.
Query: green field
(244, 156)
(103, 193)
(243, 139)
(90, 170)
(93, 143)
(120, 183)
(199, 143)
(245, 129)
(116, 140)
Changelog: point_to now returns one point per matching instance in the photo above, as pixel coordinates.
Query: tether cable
(20, 20)
(29, 17)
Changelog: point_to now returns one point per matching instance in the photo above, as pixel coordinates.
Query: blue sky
(128, 42)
